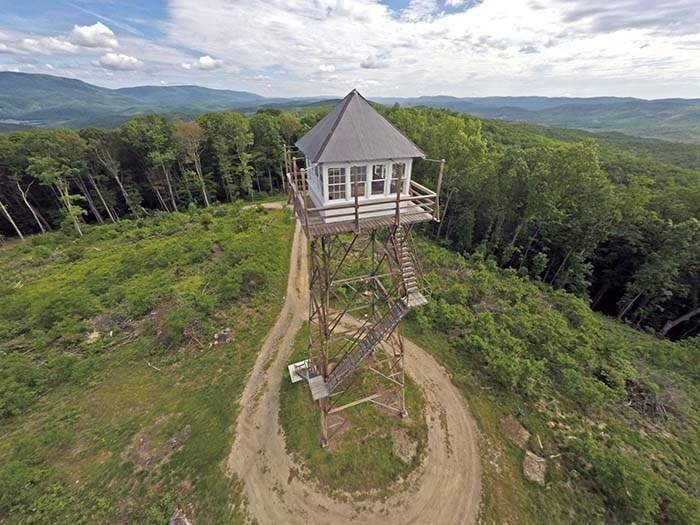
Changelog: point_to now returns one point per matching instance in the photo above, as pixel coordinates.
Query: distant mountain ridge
(28, 100)
(672, 119)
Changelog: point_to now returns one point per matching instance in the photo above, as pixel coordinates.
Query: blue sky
(644, 48)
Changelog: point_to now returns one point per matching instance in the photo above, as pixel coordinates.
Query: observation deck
(416, 205)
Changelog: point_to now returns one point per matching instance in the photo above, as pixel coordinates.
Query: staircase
(412, 298)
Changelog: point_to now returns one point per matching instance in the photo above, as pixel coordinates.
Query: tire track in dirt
(445, 489)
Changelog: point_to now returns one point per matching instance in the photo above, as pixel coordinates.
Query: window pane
(336, 183)
(378, 179)
(398, 171)
(359, 174)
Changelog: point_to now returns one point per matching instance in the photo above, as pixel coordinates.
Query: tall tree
(228, 138)
(152, 137)
(267, 144)
(190, 143)
(102, 148)
(61, 157)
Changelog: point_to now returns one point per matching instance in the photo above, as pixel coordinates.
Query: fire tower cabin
(358, 173)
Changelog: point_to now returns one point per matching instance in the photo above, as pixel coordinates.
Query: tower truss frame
(363, 279)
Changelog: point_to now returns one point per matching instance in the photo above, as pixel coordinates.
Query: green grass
(363, 460)
(515, 347)
(154, 292)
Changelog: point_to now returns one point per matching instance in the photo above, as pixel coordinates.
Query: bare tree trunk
(624, 311)
(102, 199)
(448, 223)
(269, 176)
(170, 186)
(125, 195)
(600, 294)
(529, 245)
(42, 218)
(91, 204)
(198, 169)
(23, 193)
(517, 232)
(9, 218)
(640, 315)
(670, 325)
(62, 188)
(444, 212)
(561, 266)
(160, 198)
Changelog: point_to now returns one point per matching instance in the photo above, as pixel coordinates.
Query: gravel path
(445, 489)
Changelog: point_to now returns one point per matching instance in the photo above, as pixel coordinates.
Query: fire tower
(357, 204)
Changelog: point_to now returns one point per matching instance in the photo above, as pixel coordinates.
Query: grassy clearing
(363, 460)
(106, 353)
(521, 349)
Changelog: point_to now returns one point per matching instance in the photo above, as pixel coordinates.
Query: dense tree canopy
(604, 222)
(600, 222)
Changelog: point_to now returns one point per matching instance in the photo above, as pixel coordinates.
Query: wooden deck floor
(317, 226)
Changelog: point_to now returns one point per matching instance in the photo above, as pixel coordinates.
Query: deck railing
(416, 205)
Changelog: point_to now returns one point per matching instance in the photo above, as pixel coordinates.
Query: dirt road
(445, 489)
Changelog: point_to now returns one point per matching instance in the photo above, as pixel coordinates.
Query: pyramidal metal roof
(354, 131)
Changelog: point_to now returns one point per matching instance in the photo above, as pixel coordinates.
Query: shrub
(20, 383)
(205, 220)
(174, 324)
(629, 489)
(252, 281)
(17, 484)
(676, 507)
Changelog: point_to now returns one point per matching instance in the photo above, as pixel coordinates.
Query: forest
(610, 224)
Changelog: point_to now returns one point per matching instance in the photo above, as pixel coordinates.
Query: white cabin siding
(321, 195)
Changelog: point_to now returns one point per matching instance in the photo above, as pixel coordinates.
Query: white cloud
(96, 35)
(205, 63)
(420, 10)
(372, 62)
(457, 47)
(474, 48)
(47, 45)
(120, 62)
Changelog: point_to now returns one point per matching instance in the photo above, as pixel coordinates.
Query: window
(336, 183)
(358, 174)
(398, 172)
(378, 179)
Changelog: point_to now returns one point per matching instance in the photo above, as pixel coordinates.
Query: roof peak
(354, 131)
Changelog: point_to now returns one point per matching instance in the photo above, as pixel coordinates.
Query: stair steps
(412, 298)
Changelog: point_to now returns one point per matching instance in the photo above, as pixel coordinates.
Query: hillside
(613, 411)
(621, 156)
(681, 155)
(124, 352)
(45, 100)
(669, 119)
(122, 356)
